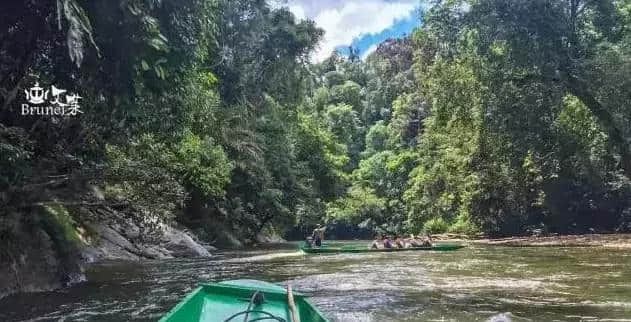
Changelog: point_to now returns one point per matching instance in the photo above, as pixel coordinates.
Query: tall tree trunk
(579, 89)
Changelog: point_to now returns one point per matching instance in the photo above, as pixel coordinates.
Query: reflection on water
(472, 284)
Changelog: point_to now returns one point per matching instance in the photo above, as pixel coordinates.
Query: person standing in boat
(318, 235)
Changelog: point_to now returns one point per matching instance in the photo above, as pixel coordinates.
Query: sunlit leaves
(79, 29)
(359, 204)
(203, 165)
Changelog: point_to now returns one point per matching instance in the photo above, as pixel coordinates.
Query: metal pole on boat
(292, 305)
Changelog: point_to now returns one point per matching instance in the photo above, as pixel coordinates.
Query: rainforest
(207, 121)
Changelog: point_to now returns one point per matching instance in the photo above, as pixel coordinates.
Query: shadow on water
(472, 284)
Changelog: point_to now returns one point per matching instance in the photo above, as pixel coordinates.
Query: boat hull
(219, 301)
(329, 250)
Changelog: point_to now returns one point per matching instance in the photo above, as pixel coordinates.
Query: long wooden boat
(336, 248)
(231, 301)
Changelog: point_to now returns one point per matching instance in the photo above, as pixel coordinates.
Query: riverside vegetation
(205, 119)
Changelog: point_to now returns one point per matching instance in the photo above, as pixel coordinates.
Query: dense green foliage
(495, 116)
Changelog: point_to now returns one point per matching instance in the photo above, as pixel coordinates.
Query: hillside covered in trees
(495, 117)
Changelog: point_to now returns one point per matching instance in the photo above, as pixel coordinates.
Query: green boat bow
(228, 302)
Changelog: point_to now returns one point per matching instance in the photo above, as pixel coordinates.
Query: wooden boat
(339, 248)
(231, 301)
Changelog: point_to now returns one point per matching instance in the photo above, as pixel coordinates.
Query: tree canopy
(494, 116)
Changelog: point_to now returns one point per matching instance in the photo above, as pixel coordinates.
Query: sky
(361, 23)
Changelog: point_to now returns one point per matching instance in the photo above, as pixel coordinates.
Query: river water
(477, 283)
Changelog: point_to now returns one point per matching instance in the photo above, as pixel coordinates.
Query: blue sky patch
(362, 23)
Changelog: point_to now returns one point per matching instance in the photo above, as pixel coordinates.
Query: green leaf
(158, 70)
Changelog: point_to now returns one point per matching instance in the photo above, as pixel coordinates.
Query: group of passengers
(400, 242)
(384, 241)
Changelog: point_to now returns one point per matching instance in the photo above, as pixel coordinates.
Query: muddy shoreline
(621, 241)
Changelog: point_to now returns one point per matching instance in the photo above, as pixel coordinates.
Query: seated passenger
(413, 242)
(427, 242)
(420, 242)
(308, 242)
(399, 242)
(387, 242)
(377, 243)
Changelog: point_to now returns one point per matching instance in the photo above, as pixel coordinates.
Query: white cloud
(344, 21)
(298, 11)
(369, 51)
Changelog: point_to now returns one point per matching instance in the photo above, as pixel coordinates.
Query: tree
(343, 122)
(376, 139)
(559, 44)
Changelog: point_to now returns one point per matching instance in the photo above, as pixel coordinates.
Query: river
(472, 284)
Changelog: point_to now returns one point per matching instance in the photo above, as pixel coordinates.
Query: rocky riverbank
(117, 236)
(622, 241)
(47, 246)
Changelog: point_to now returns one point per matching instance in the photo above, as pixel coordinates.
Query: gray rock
(90, 255)
(209, 248)
(180, 244)
(108, 234)
(110, 245)
(97, 192)
(108, 250)
(266, 239)
(41, 259)
(131, 231)
(226, 239)
(37, 261)
(154, 252)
